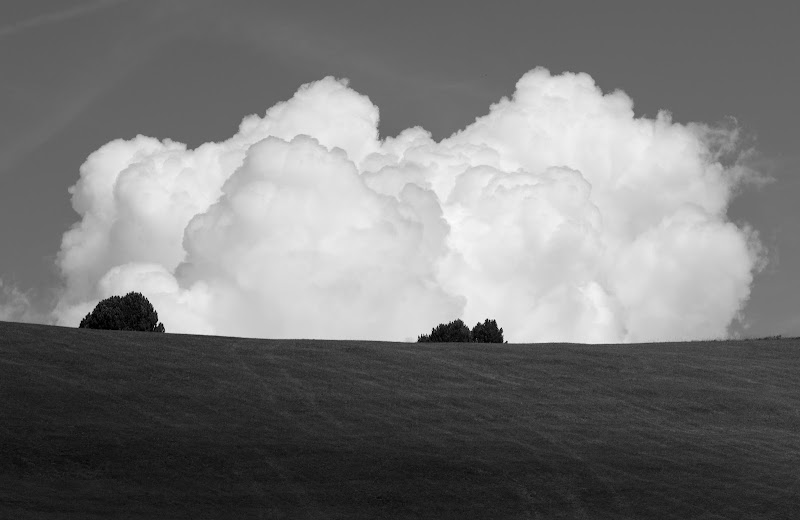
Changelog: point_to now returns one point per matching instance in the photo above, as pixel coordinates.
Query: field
(102, 424)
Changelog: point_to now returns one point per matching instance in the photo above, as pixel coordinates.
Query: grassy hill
(102, 424)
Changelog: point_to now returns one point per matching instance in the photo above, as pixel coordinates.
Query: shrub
(457, 332)
(487, 332)
(130, 312)
(453, 332)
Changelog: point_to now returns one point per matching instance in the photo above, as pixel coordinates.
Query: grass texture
(105, 424)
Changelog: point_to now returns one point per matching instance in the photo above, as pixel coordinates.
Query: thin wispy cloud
(53, 110)
(304, 43)
(56, 17)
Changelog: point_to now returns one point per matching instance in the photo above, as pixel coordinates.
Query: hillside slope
(101, 424)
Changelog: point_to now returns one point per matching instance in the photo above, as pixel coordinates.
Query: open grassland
(102, 424)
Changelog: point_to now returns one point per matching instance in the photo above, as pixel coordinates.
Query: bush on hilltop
(130, 312)
(487, 332)
(453, 332)
(457, 332)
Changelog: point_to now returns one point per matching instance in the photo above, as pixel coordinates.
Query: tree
(457, 332)
(130, 312)
(487, 332)
(453, 332)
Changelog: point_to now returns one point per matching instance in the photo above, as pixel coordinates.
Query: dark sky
(77, 74)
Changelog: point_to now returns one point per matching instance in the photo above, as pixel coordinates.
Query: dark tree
(130, 312)
(487, 332)
(453, 332)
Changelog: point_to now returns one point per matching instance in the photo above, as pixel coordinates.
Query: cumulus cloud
(16, 305)
(558, 213)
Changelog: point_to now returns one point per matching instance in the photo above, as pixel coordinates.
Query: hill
(102, 424)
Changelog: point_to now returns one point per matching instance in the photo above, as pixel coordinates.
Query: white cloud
(558, 213)
(16, 305)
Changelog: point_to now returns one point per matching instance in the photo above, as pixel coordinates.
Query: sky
(586, 172)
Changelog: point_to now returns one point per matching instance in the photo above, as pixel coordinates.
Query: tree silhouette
(457, 332)
(130, 312)
(453, 332)
(487, 332)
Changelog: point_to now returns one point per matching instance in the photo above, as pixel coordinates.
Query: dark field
(100, 424)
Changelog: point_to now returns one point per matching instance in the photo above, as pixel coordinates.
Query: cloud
(16, 305)
(56, 17)
(558, 213)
